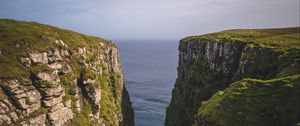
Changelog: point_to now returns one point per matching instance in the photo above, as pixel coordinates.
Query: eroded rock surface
(61, 80)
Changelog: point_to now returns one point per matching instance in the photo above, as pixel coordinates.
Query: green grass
(88, 74)
(41, 68)
(11, 68)
(254, 102)
(108, 107)
(18, 38)
(82, 118)
(279, 38)
(42, 37)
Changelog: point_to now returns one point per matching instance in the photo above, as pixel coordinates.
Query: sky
(154, 19)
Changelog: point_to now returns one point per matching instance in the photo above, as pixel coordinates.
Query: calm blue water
(150, 73)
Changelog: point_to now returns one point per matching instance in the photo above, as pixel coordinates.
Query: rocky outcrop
(66, 79)
(212, 62)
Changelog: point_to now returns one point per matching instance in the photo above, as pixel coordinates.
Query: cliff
(238, 77)
(51, 76)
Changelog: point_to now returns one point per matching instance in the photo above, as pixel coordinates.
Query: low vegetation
(18, 37)
(279, 38)
(254, 102)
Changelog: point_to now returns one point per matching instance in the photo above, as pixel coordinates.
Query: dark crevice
(236, 65)
(84, 93)
(34, 80)
(11, 97)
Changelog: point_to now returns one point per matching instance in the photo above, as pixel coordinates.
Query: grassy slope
(33, 36)
(254, 102)
(279, 38)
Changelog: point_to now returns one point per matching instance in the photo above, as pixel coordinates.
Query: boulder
(26, 61)
(54, 56)
(55, 65)
(60, 116)
(39, 58)
(61, 43)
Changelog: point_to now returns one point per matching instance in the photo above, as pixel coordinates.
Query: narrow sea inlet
(150, 73)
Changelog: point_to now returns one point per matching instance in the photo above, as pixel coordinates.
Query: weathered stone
(27, 98)
(38, 121)
(93, 92)
(57, 107)
(54, 91)
(64, 53)
(60, 42)
(55, 56)
(55, 65)
(68, 103)
(6, 109)
(66, 69)
(60, 116)
(44, 76)
(39, 58)
(5, 119)
(51, 101)
(51, 78)
(26, 61)
(78, 106)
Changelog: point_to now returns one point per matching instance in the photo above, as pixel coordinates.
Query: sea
(150, 68)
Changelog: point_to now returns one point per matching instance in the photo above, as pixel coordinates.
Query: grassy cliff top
(41, 36)
(254, 102)
(281, 38)
(17, 38)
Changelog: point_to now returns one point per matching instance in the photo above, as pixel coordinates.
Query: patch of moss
(40, 111)
(41, 68)
(40, 83)
(114, 85)
(88, 73)
(27, 101)
(12, 67)
(254, 102)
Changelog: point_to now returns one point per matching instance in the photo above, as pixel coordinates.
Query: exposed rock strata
(207, 65)
(62, 83)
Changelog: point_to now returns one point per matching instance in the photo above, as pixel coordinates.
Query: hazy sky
(155, 19)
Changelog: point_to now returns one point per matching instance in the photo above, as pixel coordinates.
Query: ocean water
(150, 73)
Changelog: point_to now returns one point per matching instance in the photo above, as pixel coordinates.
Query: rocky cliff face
(50, 76)
(212, 62)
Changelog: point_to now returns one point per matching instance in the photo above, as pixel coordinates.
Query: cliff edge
(51, 76)
(238, 78)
